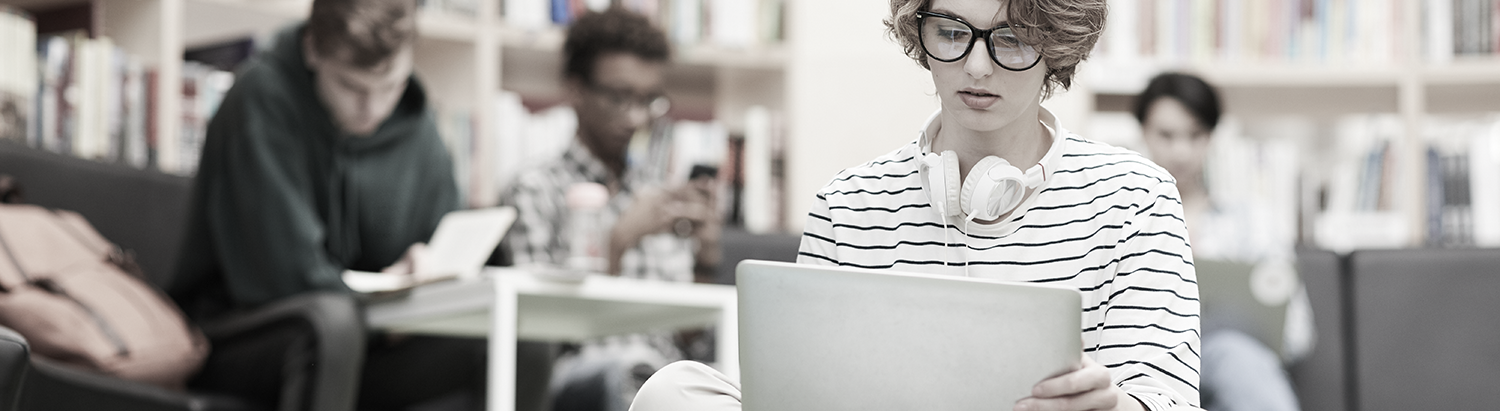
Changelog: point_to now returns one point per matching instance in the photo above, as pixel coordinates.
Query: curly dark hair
(1063, 31)
(370, 31)
(611, 31)
(1200, 98)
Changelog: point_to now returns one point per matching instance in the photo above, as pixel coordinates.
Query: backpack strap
(10, 256)
(81, 231)
(10, 190)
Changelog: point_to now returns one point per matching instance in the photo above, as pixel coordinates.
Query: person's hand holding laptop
(830, 338)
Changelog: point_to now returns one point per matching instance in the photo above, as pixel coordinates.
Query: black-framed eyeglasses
(656, 104)
(947, 39)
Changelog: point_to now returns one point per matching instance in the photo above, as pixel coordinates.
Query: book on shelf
(1463, 182)
(82, 95)
(1252, 31)
(735, 24)
(18, 78)
(761, 174)
(686, 22)
(1358, 177)
(525, 139)
(527, 14)
(1454, 28)
(93, 100)
(1484, 182)
(203, 88)
(456, 127)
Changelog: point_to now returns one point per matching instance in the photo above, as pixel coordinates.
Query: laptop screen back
(830, 338)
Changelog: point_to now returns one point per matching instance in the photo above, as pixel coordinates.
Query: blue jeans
(1242, 374)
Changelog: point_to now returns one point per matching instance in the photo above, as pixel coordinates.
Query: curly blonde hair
(1062, 31)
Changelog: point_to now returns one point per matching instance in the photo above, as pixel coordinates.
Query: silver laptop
(831, 338)
(1226, 289)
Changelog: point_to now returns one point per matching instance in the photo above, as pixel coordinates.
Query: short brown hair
(1063, 31)
(615, 30)
(369, 31)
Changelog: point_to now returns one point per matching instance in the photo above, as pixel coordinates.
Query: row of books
(1334, 183)
(1457, 28)
(456, 127)
(17, 72)
(86, 97)
(1354, 185)
(722, 23)
(1463, 182)
(91, 100)
(1296, 31)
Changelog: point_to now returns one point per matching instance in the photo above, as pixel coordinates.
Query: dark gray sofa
(1402, 329)
(144, 212)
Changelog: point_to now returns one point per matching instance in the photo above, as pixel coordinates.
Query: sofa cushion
(142, 211)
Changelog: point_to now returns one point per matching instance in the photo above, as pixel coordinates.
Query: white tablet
(459, 247)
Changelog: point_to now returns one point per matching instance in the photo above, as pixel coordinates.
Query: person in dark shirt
(324, 157)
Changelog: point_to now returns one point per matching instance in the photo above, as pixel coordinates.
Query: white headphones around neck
(994, 186)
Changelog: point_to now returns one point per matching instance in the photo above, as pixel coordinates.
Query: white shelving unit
(1409, 86)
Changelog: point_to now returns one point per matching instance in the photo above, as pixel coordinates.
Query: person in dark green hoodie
(323, 157)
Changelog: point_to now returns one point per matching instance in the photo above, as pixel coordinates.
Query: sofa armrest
(338, 327)
(57, 387)
(14, 354)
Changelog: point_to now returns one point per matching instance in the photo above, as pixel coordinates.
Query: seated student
(1085, 215)
(1178, 113)
(323, 158)
(615, 64)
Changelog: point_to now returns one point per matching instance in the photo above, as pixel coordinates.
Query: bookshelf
(469, 53)
(853, 96)
(1405, 59)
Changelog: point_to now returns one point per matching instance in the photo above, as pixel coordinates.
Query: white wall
(851, 95)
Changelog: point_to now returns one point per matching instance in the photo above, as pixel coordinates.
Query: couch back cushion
(1425, 328)
(1320, 378)
(142, 211)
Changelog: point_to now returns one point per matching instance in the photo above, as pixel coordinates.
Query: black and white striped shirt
(1106, 221)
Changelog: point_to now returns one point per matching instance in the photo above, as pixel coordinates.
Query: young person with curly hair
(614, 70)
(1073, 212)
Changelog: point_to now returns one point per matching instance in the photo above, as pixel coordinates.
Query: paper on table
(459, 247)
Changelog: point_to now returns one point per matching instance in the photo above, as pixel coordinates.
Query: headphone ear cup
(978, 181)
(950, 186)
(935, 182)
(994, 188)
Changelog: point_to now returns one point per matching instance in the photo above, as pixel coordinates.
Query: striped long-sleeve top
(1106, 221)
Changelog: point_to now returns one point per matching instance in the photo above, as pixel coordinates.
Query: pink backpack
(66, 289)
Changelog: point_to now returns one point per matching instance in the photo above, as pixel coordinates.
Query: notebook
(834, 338)
(459, 247)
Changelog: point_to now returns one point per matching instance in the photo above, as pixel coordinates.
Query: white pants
(688, 385)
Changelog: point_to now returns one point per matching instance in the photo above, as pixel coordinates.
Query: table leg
(728, 340)
(502, 367)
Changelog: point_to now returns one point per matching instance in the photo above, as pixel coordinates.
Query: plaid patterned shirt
(539, 196)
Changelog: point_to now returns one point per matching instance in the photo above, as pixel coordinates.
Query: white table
(507, 304)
